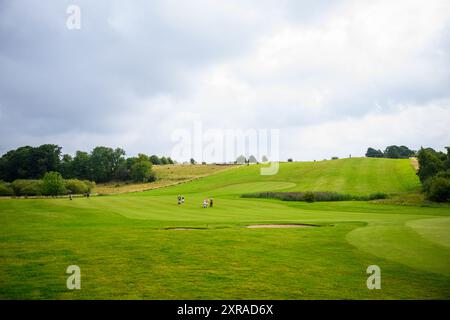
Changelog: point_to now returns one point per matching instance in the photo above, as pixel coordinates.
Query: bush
(309, 197)
(22, 187)
(90, 185)
(53, 184)
(5, 189)
(141, 171)
(75, 186)
(378, 195)
(437, 189)
(152, 177)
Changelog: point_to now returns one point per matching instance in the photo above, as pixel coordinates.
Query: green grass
(123, 251)
(359, 176)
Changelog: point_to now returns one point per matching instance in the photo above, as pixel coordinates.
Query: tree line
(393, 152)
(102, 164)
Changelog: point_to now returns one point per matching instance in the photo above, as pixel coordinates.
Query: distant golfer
(179, 200)
(205, 203)
(182, 199)
(211, 202)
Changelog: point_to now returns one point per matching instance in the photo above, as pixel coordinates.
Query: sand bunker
(183, 228)
(256, 226)
(253, 226)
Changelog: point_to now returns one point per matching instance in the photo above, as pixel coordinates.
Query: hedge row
(28, 187)
(314, 196)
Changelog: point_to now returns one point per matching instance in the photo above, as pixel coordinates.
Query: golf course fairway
(144, 246)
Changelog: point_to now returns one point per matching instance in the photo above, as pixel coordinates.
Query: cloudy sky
(333, 76)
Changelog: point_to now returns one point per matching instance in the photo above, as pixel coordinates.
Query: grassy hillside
(356, 176)
(166, 175)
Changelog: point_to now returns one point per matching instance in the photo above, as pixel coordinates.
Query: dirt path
(415, 163)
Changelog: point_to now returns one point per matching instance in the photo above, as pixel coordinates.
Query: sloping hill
(167, 175)
(357, 176)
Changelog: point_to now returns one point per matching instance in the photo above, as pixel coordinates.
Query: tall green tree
(141, 170)
(430, 163)
(372, 153)
(397, 152)
(103, 163)
(16, 164)
(29, 162)
(81, 166)
(155, 160)
(434, 173)
(45, 158)
(65, 166)
(164, 160)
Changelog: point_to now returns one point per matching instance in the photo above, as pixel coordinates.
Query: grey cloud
(54, 79)
(57, 85)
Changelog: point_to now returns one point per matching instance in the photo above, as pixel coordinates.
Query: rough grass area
(314, 196)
